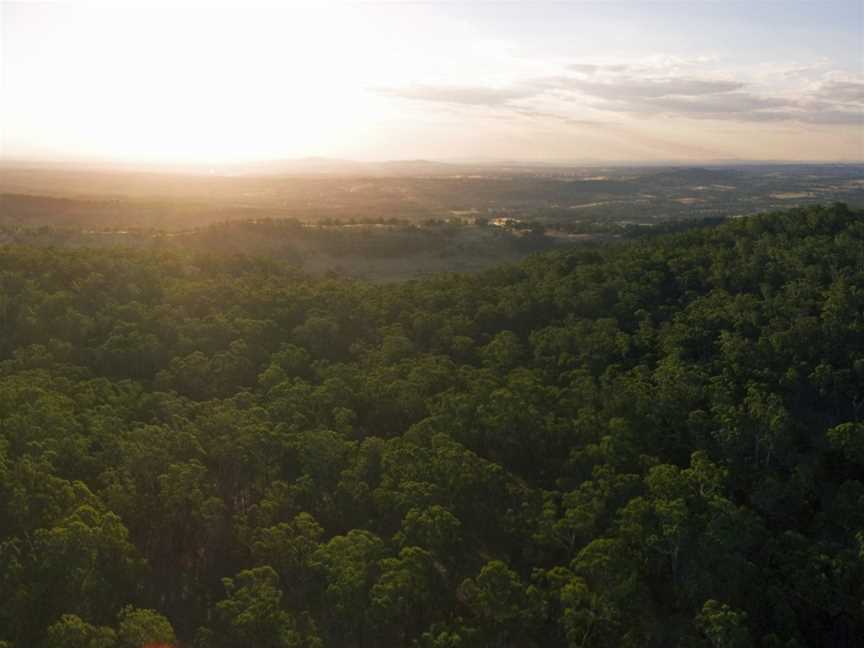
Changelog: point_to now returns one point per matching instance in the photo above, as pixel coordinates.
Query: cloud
(599, 68)
(530, 88)
(835, 117)
(737, 106)
(624, 88)
(844, 91)
(463, 95)
(656, 86)
(584, 68)
(829, 102)
(654, 64)
(731, 102)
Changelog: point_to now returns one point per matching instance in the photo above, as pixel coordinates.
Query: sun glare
(211, 86)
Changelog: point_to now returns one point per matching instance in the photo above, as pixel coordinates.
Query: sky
(602, 81)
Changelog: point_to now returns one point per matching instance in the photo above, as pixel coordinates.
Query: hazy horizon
(478, 162)
(577, 83)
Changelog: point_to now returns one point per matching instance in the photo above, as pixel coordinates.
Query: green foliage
(722, 626)
(849, 439)
(650, 443)
(137, 628)
(503, 607)
(251, 615)
(73, 632)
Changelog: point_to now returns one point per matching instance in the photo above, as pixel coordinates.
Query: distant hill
(332, 166)
(694, 176)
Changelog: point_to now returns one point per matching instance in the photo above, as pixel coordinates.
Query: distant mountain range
(335, 166)
(324, 166)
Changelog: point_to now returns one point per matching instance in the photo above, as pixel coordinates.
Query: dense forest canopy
(652, 443)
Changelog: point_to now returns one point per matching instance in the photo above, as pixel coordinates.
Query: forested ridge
(651, 443)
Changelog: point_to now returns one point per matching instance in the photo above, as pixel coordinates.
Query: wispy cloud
(462, 94)
(845, 91)
(660, 86)
(593, 68)
(634, 88)
(727, 103)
